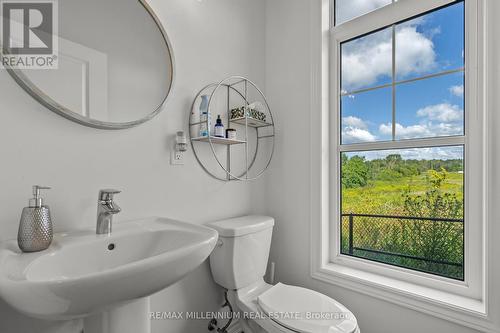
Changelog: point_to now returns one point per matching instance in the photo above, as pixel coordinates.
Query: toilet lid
(306, 311)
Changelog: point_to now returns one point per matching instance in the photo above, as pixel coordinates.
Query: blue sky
(428, 44)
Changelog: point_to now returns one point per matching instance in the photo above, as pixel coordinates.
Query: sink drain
(111, 247)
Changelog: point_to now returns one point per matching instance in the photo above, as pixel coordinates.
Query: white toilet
(238, 264)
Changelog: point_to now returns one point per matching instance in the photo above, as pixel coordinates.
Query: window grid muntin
(415, 79)
(393, 81)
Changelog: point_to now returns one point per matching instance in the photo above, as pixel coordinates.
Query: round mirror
(115, 64)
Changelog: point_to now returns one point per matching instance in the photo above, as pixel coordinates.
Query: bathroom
(288, 52)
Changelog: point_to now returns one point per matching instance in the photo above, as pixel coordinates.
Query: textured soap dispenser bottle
(35, 229)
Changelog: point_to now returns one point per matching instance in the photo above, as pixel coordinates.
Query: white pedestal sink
(104, 278)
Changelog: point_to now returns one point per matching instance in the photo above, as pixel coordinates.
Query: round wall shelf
(243, 107)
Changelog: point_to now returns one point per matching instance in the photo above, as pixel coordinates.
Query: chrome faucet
(106, 208)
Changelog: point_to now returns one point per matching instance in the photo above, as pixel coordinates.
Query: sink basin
(83, 273)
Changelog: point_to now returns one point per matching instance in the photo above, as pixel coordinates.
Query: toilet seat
(306, 311)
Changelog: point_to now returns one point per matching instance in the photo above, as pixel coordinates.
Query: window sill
(462, 310)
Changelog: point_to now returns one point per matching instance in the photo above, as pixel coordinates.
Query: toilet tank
(240, 257)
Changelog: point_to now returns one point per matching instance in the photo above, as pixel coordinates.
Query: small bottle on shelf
(219, 128)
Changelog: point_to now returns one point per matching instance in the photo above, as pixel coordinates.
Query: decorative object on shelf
(257, 132)
(238, 113)
(256, 111)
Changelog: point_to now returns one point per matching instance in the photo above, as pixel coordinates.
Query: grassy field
(437, 241)
(385, 197)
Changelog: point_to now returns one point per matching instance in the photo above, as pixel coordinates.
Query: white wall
(211, 39)
(288, 83)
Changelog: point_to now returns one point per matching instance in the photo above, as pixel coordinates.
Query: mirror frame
(61, 110)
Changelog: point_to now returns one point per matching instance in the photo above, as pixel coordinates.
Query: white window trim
(466, 302)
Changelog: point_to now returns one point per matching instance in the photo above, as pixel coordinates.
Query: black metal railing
(428, 244)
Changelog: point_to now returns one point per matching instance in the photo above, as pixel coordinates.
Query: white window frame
(471, 286)
(465, 301)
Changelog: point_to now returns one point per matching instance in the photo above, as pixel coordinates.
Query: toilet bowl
(239, 263)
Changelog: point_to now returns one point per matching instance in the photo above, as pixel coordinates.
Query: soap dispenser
(35, 229)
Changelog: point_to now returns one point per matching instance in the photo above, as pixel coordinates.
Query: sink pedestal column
(131, 317)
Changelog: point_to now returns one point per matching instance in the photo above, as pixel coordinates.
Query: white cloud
(351, 121)
(414, 51)
(423, 130)
(447, 129)
(354, 135)
(348, 9)
(370, 58)
(440, 120)
(386, 129)
(355, 130)
(367, 59)
(406, 132)
(457, 90)
(444, 112)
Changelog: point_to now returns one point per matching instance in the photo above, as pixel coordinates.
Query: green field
(385, 196)
(407, 213)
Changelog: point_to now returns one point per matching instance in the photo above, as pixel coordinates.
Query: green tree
(393, 161)
(354, 172)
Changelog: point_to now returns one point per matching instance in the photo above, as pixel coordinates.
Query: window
(399, 164)
(399, 85)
